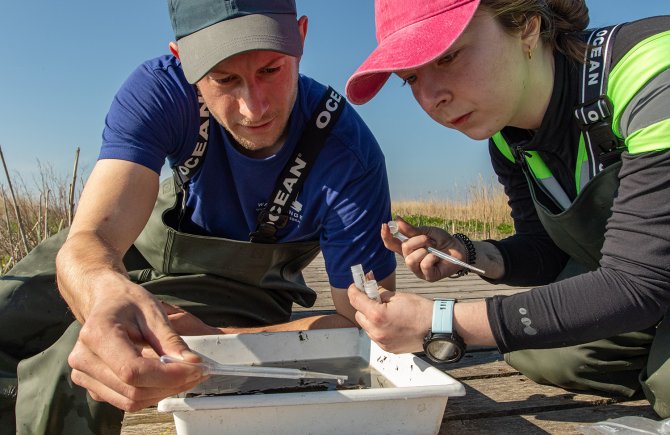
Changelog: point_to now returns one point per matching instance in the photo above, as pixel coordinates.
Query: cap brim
(201, 51)
(410, 47)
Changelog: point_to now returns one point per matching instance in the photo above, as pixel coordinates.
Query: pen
(393, 226)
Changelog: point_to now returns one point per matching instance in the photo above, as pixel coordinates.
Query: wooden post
(46, 216)
(39, 221)
(9, 227)
(70, 211)
(16, 208)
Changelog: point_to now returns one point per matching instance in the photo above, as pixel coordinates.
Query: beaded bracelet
(470, 253)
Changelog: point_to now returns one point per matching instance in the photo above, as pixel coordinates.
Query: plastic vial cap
(371, 289)
(359, 275)
(393, 227)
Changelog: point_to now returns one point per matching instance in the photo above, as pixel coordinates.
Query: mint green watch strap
(443, 316)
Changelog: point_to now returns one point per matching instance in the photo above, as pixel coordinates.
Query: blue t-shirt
(344, 200)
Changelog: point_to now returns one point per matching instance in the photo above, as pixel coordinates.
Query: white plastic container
(415, 405)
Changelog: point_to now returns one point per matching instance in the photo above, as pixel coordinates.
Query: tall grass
(32, 213)
(48, 207)
(482, 214)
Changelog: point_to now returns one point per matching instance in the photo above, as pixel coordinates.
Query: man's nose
(253, 102)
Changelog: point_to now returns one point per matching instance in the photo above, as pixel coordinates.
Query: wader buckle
(595, 119)
(266, 229)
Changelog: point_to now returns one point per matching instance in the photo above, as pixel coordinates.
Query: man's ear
(302, 28)
(174, 49)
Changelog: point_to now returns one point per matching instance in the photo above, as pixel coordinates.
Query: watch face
(443, 350)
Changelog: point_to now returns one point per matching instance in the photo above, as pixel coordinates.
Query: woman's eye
(408, 80)
(448, 58)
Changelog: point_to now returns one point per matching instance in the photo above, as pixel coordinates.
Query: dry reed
(37, 213)
(482, 214)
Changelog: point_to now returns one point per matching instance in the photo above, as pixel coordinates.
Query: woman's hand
(398, 324)
(417, 258)
(185, 323)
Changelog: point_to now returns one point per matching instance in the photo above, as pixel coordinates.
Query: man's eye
(223, 80)
(270, 70)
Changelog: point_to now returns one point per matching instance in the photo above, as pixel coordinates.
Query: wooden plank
(469, 287)
(316, 277)
(516, 394)
(498, 399)
(148, 421)
(477, 364)
(559, 421)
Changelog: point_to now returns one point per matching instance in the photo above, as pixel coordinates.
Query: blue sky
(62, 62)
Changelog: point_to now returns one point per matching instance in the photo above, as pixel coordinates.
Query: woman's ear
(530, 34)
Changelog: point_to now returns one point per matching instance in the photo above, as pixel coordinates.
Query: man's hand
(108, 360)
(119, 318)
(398, 324)
(417, 258)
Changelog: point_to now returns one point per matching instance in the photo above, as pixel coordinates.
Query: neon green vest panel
(641, 64)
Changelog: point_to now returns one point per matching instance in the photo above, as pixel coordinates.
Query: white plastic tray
(415, 405)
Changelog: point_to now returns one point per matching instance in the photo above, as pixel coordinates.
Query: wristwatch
(442, 344)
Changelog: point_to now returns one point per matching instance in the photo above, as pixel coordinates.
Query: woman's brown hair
(561, 21)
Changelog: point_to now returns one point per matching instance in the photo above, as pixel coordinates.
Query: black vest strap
(182, 173)
(275, 215)
(594, 112)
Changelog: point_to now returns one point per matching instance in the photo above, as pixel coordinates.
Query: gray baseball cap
(209, 31)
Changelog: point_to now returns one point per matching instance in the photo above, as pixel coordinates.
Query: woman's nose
(432, 92)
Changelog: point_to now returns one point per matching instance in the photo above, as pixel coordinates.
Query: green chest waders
(615, 365)
(32, 317)
(224, 282)
(618, 364)
(221, 281)
(228, 282)
(580, 230)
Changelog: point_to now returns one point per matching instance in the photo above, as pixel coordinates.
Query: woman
(589, 189)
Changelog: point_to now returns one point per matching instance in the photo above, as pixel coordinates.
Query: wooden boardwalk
(498, 398)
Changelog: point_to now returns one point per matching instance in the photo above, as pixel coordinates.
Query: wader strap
(184, 172)
(275, 215)
(594, 111)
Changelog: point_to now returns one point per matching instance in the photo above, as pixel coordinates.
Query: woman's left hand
(185, 323)
(398, 324)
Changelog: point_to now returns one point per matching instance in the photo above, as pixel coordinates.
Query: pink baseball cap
(410, 33)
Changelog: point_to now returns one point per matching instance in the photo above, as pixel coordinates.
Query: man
(137, 279)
